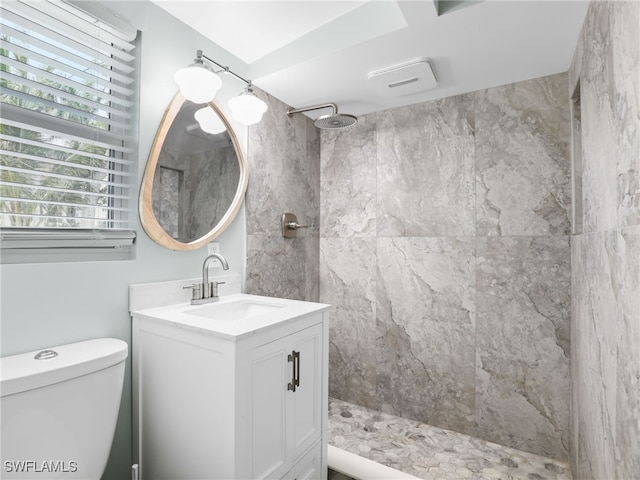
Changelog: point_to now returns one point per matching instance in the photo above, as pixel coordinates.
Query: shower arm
(291, 111)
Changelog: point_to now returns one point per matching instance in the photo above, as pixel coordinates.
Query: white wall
(50, 304)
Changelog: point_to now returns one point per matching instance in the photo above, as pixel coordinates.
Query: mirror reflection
(196, 179)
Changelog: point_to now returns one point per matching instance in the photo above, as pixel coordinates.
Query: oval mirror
(194, 181)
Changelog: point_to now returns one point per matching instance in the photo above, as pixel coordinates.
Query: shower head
(333, 121)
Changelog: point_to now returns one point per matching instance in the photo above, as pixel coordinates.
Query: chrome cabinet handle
(295, 377)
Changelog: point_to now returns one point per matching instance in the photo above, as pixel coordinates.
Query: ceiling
(309, 52)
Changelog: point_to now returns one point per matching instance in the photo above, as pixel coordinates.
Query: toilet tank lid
(22, 372)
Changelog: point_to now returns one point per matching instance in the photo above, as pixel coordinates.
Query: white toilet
(59, 409)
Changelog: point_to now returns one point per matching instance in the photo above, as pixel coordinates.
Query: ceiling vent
(405, 78)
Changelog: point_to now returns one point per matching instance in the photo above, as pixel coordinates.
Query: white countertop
(277, 311)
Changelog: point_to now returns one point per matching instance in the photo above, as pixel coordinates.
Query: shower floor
(431, 453)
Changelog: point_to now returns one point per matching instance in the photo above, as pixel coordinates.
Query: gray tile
(426, 329)
(627, 426)
(523, 304)
(431, 453)
(425, 174)
(599, 175)
(284, 176)
(522, 152)
(348, 173)
(625, 39)
(348, 280)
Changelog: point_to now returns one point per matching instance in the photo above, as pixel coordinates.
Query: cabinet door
(270, 374)
(286, 420)
(306, 402)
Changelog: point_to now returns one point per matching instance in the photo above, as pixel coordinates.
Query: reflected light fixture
(209, 121)
(199, 84)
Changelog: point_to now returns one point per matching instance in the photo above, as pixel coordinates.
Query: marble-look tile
(347, 282)
(284, 174)
(190, 178)
(348, 187)
(522, 382)
(425, 174)
(596, 329)
(627, 422)
(209, 181)
(424, 300)
(432, 453)
(279, 267)
(523, 182)
(599, 175)
(625, 33)
(312, 269)
(426, 326)
(575, 69)
(576, 339)
(606, 259)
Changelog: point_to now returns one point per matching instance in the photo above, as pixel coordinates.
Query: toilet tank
(59, 409)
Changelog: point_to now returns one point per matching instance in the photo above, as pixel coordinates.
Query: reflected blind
(67, 131)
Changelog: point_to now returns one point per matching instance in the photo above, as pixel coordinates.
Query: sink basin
(233, 317)
(236, 310)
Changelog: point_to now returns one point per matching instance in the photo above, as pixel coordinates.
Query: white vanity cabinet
(286, 397)
(219, 399)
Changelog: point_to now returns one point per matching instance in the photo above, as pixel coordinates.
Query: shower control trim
(290, 225)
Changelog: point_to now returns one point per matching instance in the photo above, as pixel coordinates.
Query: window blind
(67, 132)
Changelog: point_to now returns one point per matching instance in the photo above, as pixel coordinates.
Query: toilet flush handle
(45, 355)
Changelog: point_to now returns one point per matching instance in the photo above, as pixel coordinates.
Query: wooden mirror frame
(145, 205)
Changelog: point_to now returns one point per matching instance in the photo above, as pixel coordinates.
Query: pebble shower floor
(431, 453)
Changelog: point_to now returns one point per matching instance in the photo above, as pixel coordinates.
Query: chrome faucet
(207, 292)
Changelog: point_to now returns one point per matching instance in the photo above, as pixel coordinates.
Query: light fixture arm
(225, 69)
(291, 111)
(199, 83)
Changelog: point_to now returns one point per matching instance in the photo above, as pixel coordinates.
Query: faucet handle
(214, 288)
(197, 291)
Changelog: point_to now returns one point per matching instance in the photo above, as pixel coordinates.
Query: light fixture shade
(197, 83)
(209, 121)
(247, 109)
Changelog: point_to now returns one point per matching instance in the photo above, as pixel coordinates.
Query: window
(67, 129)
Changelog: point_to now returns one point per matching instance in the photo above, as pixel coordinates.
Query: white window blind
(68, 123)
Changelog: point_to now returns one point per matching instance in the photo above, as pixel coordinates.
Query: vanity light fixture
(199, 84)
(246, 107)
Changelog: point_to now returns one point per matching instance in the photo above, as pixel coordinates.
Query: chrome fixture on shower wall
(290, 225)
(333, 121)
(199, 84)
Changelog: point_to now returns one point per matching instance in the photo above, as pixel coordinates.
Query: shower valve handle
(290, 225)
(295, 226)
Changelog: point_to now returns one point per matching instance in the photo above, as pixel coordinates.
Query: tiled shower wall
(605, 372)
(444, 248)
(284, 176)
